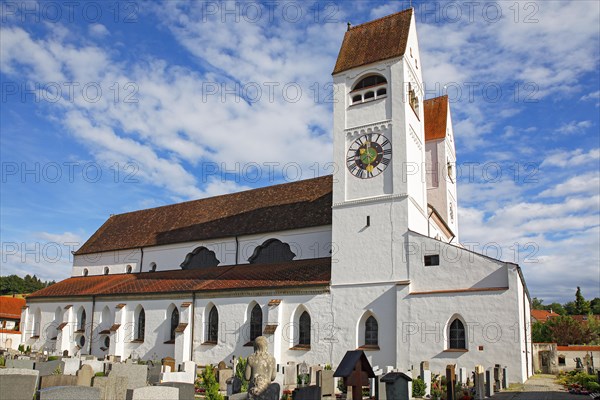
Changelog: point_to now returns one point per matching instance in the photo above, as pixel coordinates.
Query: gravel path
(540, 387)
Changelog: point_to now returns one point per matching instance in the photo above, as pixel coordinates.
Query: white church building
(368, 258)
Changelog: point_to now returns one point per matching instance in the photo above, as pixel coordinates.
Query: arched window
(272, 251)
(256, 321)
(213, 325)
(356, 99)
(152, 267)
(174, 322)
(371, 80)
(140, 327)
(82, 318)
(456, 335)
(85, 272)
(369, 95)
(201, 257)
(106, 270)
(381, 92)
(371, 332)
(304, 329)
(129, 269)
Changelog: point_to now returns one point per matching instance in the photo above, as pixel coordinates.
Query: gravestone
(479, 382)
(187, 391)
(85, 375)
(304, 371)
(111, 387)
(153, 392)
(170, 362)
(224, 376)
(397, 386)
(49, 367)
(380, 392)
(497, 378)
(71, 366)
(505, 380)
(137, 375)
(187, 375)
(57, 380)
(462, 375)
(307, 393)
(489, 385)
(451, 382)
(356, 371)
(234, 385)
(97, 366)
(313, 374)
(8, 343)
(290, 379)
(221, 365)
(18, 384)
(327, 384)
(19, 363)
(70, 393)
(427, 379)
(424, 367)
(65, 353)
(154, 372)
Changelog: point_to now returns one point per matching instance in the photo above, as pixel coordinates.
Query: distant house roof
(374, 41)
(578, 348)
(301, 273)
(543, 315)
(10, 307)
(584, 318)
(436, 117)
(293, 205)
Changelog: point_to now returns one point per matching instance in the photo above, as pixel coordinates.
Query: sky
(112, 107)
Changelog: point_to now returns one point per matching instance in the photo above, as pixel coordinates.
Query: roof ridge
(224, 195)
(382, 18)
(444, 96)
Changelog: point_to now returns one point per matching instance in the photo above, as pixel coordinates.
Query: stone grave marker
(356, 371)
(397, 386)
(57, 380)
(136, 374)
(20, 363)
(154, 372)
(170, 362)
(85, 375)
(187, 391)
(489, 384)
(313, 373)
(49, 367)
(462, 375)
(71, 366)
(8, 343)
(70, 393)
(290, 376)
(479, 382)
(451, 382)
(223, 376)
(111, 387)
(427, 379)
(303, 371)
(234, 386)
(18, 384)
(153, 392)
(505, 380)
(97, 366)
(326, 382)
(307, 393)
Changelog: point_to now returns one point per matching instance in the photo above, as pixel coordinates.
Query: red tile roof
(10, 307)
(301, 273)
(543, 315)
(578, 348)
(374, 41)
(293, 205)
(584, 318)
(436, 117)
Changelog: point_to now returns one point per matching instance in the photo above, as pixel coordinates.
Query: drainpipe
(91, 326)
(141, 258)
(237, 249)
(192, 320)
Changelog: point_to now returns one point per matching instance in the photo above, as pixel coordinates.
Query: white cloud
(587, 183)
(98, 30)
(571, 158)
(574, 127)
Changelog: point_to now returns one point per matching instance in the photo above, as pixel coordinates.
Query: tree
(540, 333)
(564, 330)
(14, 284)
(595, 306)
(537, 304)
(557, 308)
(570, 308)
(582, 307)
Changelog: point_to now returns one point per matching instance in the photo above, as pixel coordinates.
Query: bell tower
(380, 188)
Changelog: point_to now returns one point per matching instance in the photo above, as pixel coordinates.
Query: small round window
(81, 341)
(107, 342)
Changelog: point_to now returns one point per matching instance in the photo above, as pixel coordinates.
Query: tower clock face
(369, 155)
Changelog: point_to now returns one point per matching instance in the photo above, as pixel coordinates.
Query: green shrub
(593, 386)
(240, 372)
(418, 387)
(100, 374)
(2, 361)
(209, 381)
(52, 358)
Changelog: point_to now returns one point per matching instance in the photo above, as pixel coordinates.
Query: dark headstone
(236, 384)
(154, 374)
(451, 381)
(66, 353)
(307, 393)
(50, 367)
(70, 393)
(489, 385)
(356, 371)
(17, 387)
(396, 386)
(504, 380)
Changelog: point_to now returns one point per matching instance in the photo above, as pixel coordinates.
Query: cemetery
(44, 376)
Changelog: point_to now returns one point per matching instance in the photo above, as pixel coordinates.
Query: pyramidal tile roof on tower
(389, 34)
(436, 117)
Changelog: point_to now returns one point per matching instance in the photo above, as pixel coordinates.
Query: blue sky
(110, 108)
